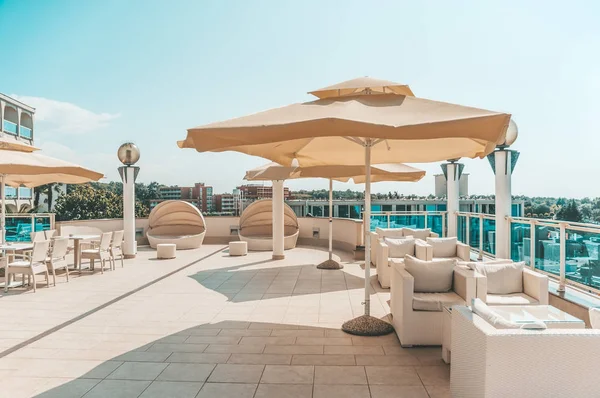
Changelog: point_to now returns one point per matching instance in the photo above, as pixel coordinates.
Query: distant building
(201, 195)
(254, 191)
(228, 203)
(16, 124)
(441, 187)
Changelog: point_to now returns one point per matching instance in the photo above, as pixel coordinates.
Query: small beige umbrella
(380, 172)
(363, 128)
(22, 165)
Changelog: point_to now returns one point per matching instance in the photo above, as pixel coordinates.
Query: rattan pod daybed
(256, 226)
(176, 221)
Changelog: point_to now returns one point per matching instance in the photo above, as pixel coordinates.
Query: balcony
(10, 127)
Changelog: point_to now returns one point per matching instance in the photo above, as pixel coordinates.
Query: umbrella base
(330, 264)
(366, 325)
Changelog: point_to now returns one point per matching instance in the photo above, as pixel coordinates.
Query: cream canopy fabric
(354, 86)
(408, 129)
(175, 215)
(260, 214)
(32, 169)
(379, 172)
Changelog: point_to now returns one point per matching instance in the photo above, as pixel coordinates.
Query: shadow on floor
(254, 359)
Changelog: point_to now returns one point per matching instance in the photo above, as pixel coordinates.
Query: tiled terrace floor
(223, 327)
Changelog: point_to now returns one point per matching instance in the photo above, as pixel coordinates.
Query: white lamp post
(503, 161)
(129, 154)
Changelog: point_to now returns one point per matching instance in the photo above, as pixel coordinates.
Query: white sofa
(444, 248)
(534, 285)
(418, 317)
(380, 233)
(497, 363)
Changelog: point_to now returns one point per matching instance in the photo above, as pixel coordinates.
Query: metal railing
(19, 226)
(436, 220)
(568, 252)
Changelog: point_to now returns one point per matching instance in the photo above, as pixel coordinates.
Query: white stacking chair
(57, 258)
(49, 234)
(98, 251)
(37, 236)
(115, 247)
(29, 264)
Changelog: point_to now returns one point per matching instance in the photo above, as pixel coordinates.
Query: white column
(129, 247)
(452, 181)
(367, 227)
(278, 222)
(330, 219)
(503, 201)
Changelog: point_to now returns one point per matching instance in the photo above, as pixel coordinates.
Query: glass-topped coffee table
(551, 316)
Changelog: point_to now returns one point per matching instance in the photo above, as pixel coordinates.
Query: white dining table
(13, 247)
(77, 247)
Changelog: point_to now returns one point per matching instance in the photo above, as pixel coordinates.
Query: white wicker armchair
(380, 233)
(384, 261)
(534, 292)
(497, 363)
(415, 325)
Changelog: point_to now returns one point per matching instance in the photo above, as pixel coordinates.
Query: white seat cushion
(435, 301)
(430, 276)
(89, 251)
(510, 299)
(390, 232)
(504, 278)
(443, 247)
(418, 233)
(20, 263)
(400, 247)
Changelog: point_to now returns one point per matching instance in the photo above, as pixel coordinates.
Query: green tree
(570, 212)
(86, 202)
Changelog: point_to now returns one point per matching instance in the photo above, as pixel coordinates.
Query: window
(25, 193)
(10, 192)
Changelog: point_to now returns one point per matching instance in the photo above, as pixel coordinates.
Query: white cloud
(65, 117)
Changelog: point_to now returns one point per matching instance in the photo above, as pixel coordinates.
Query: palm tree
(48, 190)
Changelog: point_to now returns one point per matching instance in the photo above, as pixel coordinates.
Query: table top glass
(16, 246)
(526, 314)
(83, 237)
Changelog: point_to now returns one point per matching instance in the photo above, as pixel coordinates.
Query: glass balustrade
(461, 228)
(582, 263)
(19, 227)
(520, 242)
(25, 132)
(489, 236)
(10, 127)
(547, 248)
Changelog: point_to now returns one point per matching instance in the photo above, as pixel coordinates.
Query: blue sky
(104, 72)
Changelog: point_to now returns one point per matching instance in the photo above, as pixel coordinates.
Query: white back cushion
(443, 247)
(504, 278)
(391, 232)
(418, 233)
(400, 247)
(430, 276)
(595, 318)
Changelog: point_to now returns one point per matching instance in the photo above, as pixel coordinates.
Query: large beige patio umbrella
(23, 165)
(369, 127)
(379, 172)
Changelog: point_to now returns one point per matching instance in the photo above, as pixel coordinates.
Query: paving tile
(172, 347)
(323, 341)
(235, 349)
(102, 370)
(186, 372)
(72, 389)
(228, 373)
(268, 340)
(118, 389)
(298, 333)
(323, 360)
(192, 357)
(398, 392)
(284, 374)
(434, 375)
(213, 340)
(393, 375)
(354, 349)
(341, 391)
(200, 332)
(143, 356)
(137, 371)
(439, 391)
(383, 360)
(227, 390)
(172, 389)
(260, 359)
(284, 391)
(390, 339)
(340, 375)
(294, 349)
(246, 332)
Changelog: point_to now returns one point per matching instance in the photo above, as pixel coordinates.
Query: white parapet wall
(347, 233)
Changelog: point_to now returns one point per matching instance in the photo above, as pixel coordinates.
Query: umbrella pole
(367, 325)
(330, 263)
